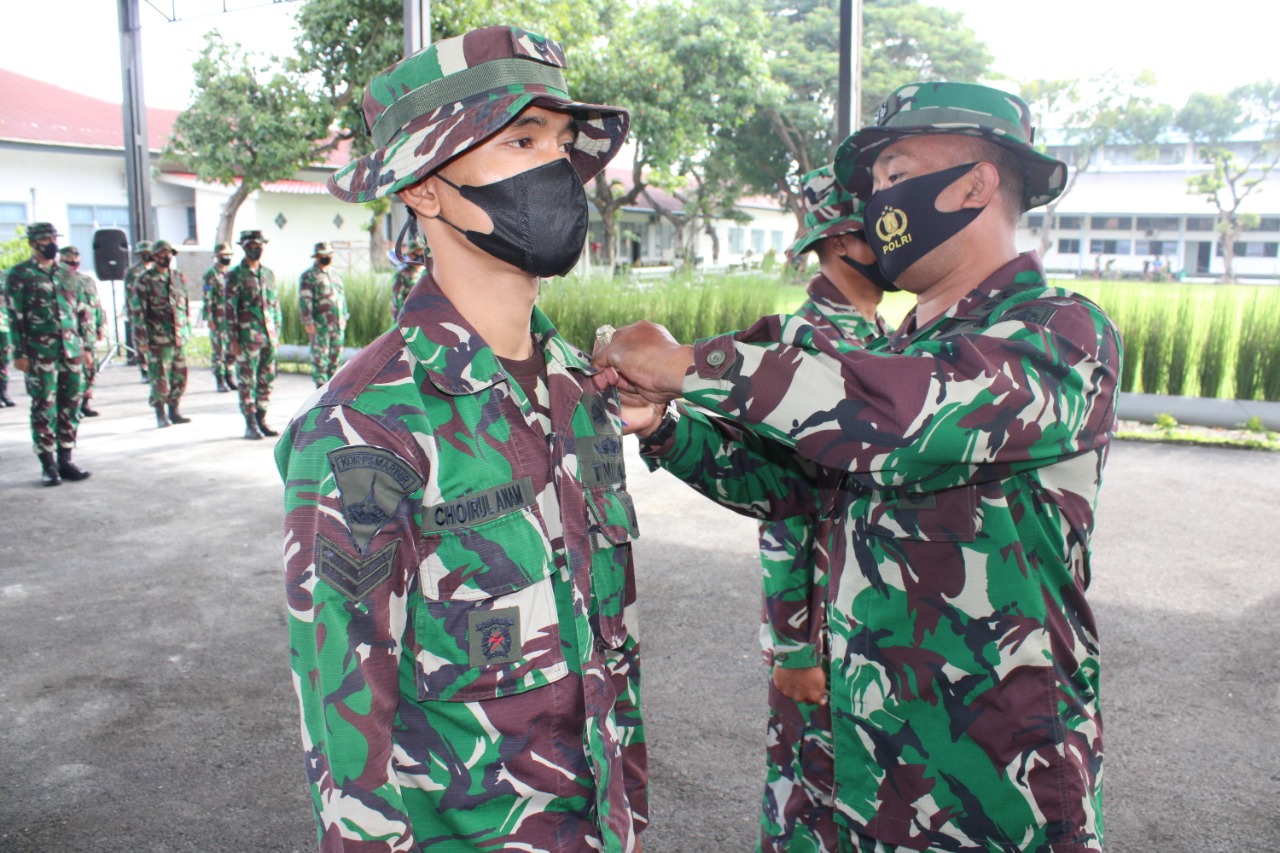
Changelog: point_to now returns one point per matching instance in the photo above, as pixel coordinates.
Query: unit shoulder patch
(371, 483)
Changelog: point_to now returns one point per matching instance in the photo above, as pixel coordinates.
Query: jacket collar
(1023, 272)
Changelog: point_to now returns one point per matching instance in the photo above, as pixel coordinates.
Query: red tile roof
(41, 113)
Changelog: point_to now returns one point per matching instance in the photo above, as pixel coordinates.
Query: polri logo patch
(494, 636)
(371, 483)
(891, 228)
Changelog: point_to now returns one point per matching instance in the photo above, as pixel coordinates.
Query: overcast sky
(1190, 46)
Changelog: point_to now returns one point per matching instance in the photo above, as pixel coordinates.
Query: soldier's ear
(984, 182)
(422, 197)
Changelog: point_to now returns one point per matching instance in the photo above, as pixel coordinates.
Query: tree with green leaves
(1238, 136)
(793, 131)
(1087, 115)
(250, 124)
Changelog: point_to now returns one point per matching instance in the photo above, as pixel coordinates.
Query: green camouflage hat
(68, 250)
(163, 244)
(254, 236)
(322, 249)
(143, 247)
(964, 108)
(222, 249)
(40, 230)
(828, 210)
(453, 95)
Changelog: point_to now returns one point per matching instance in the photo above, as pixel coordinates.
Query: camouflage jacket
(406, 277)
(213, 310)
(320, 298)
(131, 277)
(461, 615)
(964, 682)
(46, 312)
(160, 310)
(253, 307)
(795, 586)
(93, 320)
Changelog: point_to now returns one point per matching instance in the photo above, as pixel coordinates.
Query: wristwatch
(666, 429)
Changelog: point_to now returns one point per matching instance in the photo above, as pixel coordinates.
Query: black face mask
(904, 224)
(72, 264)
(539, 218)
(324, 262)
(48, 252)
(871, 272)
(163, 263)
(253, 253)
(222, 262)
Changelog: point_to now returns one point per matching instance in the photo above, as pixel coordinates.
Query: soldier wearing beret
(253, 326)
(47, 314)
(214, 312)
(964, 651)
(322, 306)
(94, 321)
(458, 531)
(163, 324)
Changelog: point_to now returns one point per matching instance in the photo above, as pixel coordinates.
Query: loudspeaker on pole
(110, 253)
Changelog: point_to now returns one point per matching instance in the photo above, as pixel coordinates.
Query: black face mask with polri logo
(903, 223)
(539, 218)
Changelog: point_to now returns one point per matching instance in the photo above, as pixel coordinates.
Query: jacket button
(716, 357)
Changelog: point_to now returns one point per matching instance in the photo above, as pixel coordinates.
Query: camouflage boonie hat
(322, 249)
(40, 230)
(143, 247)
(254, 236)
(828, 210)
(222, 249)
(963, 108)
(163, 244)
(68, 250)
(453, 95)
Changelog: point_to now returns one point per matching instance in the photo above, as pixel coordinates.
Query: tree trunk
(715, 241)
(227, 220)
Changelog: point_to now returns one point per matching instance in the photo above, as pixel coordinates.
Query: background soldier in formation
(131, 276)
(46, 315)
(214, 312)
(6, 351)
(407, 276)
(163, 323)
(94, 322)
(798, 811)
(253, 324)
(323, 309)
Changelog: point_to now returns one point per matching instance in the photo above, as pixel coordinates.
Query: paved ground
(144, 687)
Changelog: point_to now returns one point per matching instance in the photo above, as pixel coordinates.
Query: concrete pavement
(144, 679)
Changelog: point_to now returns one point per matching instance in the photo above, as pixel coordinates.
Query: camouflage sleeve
(15, 296)
(786, 556)
(348, 586)
(624, 671)
(86, 319)
(231, 306)
(139, 295)
(306, 298)
(183, 321)
(273, 303)
(736, 468)
(1034, 387)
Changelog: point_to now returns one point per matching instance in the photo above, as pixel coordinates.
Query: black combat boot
(4, 393)
(162, 420)
(86, 411)
(222, 384)
(175, 417)
(262, 424)
(231, 383)
(67, 469)
(251, 428)
(49, 475)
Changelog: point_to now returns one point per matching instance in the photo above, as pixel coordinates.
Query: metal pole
(849, 94)
(417, 35)
(137, 159)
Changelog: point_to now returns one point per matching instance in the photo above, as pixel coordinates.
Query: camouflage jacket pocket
(950, 515)
(612, 525)
(486, 623)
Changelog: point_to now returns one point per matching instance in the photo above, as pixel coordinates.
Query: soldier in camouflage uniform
(6, 351)
(131, 276)
(46, 314)
(799, 811)
(323, 309)
(458, 532)
(163, 326)
(214, 313)
(964, 653)
(94, 322)
(407, 276)
(253, 325)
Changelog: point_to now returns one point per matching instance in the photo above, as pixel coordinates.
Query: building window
(1111, 223)
(1267, 223)
(735, 240)
(84, 219)
(12, 214)
(1155, 247)
(757, 240)
(1157, 223)
(1201, 223)
(1035, 220)
(1110, 247)
(191, 225)
(1069, 223)
(1068, 246)
(1253, 250)
(777, 237)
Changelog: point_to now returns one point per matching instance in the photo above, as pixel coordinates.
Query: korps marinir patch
(371, 483)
